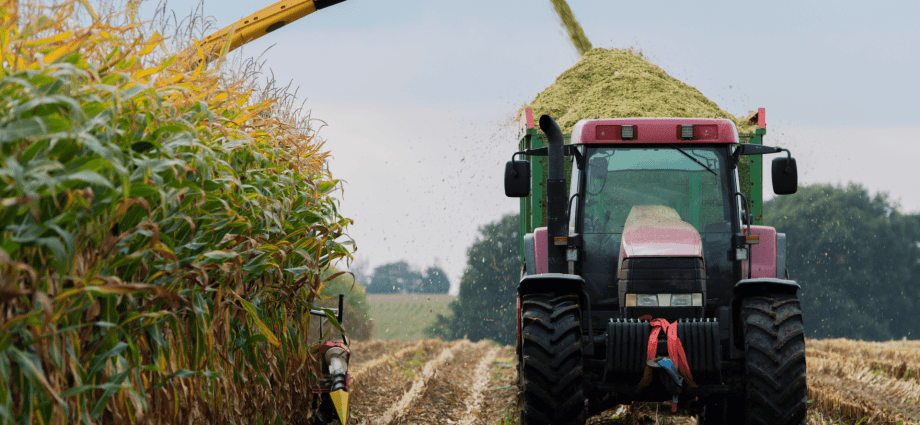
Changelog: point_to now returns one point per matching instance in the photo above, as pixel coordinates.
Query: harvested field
(461, 382)
(852, 380)
(405, 316)
(431, 381)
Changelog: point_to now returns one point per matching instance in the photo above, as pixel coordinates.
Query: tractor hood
(658, 231)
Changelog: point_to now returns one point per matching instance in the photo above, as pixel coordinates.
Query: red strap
(657, 325)
(675, 348)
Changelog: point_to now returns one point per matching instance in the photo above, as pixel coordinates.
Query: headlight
(664, 300)
(681, 300)
(647, 300)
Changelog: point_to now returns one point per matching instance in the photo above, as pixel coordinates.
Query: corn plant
(162, 233)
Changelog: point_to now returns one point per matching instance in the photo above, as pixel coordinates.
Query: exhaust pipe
(555, 196)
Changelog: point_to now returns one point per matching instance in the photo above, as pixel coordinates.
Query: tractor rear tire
(551, 375)
(774, 346)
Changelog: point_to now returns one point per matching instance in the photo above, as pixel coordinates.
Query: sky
(418, 98)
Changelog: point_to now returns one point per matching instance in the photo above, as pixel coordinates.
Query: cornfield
(164, 230)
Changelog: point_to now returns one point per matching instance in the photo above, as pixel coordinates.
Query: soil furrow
(481, 380)
(362, 368)
(385, 382)
(444, 397)
(361, 350)
(499, 400)
(398, 409)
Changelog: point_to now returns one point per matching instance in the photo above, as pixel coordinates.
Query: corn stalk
(163, 233)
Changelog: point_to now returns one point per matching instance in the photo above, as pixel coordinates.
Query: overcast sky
(419, 96)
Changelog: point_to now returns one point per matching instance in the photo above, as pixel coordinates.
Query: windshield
(686, 182)
(689, 180)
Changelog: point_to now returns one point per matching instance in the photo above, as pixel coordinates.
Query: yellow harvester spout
(340, 400)
(250, 28)
(337, 359)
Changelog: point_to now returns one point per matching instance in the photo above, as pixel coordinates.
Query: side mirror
(785, 176)
(517, 179)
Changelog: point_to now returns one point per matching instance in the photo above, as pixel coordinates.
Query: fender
(761, 285)
(559, 284)
(755, 286)
(552, 282)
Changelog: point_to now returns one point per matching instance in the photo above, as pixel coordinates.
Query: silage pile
(619, 83)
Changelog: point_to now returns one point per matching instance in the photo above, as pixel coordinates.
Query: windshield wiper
(694, 160)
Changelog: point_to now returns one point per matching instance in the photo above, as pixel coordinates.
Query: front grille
(662, 275)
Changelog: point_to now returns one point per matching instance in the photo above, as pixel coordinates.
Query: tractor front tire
(774, 345)
(551, 376)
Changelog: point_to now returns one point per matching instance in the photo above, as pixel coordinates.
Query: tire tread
(551, 373)
(775, 372)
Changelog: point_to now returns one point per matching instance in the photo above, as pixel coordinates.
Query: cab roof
(655, 130)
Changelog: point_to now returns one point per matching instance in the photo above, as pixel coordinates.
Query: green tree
(435, 281)
(394, 278)
(355, 317)
(486, 305)
(857, 258)
(402, 278)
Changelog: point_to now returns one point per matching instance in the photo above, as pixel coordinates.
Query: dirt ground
(460, 382)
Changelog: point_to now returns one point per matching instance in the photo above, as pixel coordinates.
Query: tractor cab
(657, 220)
(653, 211)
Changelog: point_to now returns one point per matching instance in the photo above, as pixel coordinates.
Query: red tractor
(648, 281)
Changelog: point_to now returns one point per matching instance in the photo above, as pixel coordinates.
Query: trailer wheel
(774, 345)
(551, 372)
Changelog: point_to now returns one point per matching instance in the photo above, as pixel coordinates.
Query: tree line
(857, 257)
(402, 278)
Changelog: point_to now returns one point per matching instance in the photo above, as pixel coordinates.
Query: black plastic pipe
(556, 201)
